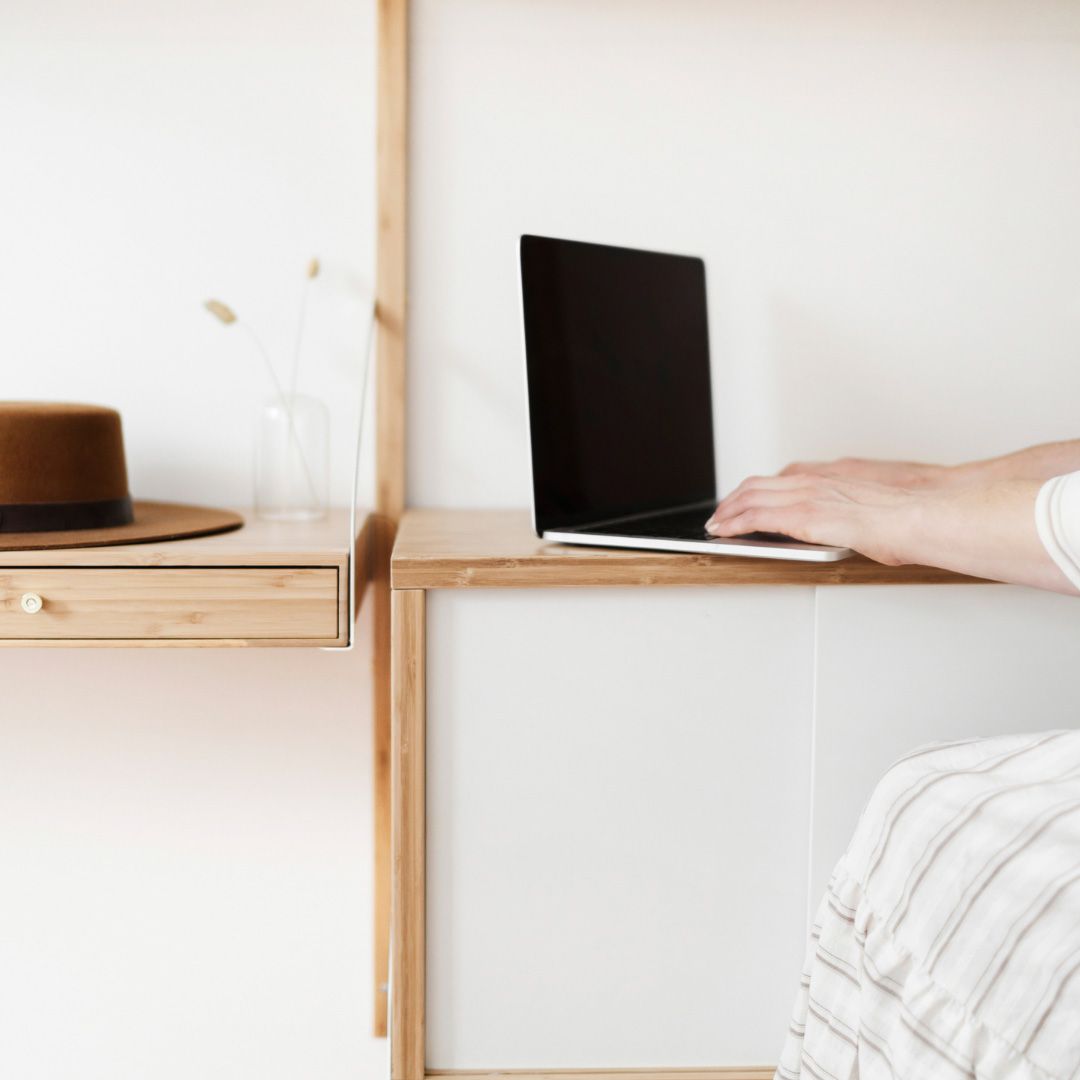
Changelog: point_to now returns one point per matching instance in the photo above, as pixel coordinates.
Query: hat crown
(52, 452)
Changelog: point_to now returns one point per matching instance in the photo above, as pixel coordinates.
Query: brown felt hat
(63, 483)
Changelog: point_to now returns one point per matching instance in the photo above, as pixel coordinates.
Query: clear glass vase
(292, 460)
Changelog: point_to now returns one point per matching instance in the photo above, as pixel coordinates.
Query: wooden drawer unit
(195, 604)
(269, 583)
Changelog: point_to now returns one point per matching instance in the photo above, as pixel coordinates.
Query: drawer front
(182, 603)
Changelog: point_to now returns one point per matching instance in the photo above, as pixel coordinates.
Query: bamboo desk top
(439, 549)
(266, 583)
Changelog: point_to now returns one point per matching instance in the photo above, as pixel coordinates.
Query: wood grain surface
(756, 1072)
(170, 603)
(266, 584)
(450, 549)
(408, 836)
(256, 543)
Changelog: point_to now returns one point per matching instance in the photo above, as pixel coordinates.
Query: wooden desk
(453, 549)
(461, 549)
(266, 584)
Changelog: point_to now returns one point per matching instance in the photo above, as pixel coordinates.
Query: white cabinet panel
(618, 783)
(898, 667)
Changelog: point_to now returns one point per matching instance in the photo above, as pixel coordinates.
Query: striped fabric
(948, 943)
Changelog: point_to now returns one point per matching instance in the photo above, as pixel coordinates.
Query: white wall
(885, 196)
(185, 847)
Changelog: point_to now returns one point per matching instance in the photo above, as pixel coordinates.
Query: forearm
(1036, 463)
(984, 531)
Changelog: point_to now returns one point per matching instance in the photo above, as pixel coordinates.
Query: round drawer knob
(30, 603)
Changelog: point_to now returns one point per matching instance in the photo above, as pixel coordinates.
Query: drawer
(176, 604)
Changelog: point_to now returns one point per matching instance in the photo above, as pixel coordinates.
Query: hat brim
(153, 521)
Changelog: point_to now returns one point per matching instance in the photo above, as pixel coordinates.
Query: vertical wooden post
(383, 541)
(408, 836)
(392, 178)
(392, 80)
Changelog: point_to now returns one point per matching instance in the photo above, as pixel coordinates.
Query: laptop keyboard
(677, 525)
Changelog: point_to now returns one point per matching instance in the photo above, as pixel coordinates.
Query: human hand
(872, 518)
(984, 530)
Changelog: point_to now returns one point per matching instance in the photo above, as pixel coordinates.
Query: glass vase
(292, 460)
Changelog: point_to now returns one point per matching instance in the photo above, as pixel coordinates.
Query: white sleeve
(1057, 517)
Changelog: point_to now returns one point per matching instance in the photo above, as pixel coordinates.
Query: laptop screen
(617, 359)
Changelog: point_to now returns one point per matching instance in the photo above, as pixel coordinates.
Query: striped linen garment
(948, 942)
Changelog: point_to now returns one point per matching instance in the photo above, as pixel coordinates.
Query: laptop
(620, 402)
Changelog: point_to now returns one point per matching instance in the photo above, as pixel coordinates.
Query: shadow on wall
(477, 387)
(829, 392)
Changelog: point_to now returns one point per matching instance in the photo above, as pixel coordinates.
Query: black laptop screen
(617, 357)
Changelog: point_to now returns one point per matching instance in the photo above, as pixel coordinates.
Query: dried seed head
(221, 311)
(313, 268)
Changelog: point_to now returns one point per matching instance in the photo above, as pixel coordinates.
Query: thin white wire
(811, 899)
(365, 378)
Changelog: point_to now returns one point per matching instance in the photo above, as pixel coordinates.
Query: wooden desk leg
(407, 785)
(379, 592)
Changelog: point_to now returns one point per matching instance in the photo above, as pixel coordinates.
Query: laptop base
(683, 529)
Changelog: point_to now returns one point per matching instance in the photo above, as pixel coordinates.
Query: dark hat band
(61, 516)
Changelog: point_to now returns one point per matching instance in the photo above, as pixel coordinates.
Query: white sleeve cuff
(1057, 518)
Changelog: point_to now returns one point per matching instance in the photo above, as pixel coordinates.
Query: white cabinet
(898, 667)
(633, 794)
(617, 796)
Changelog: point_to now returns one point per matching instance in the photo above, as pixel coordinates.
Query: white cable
(354, 570)
(811, 899)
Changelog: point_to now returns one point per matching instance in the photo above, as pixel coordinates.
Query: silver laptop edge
(758, 549)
